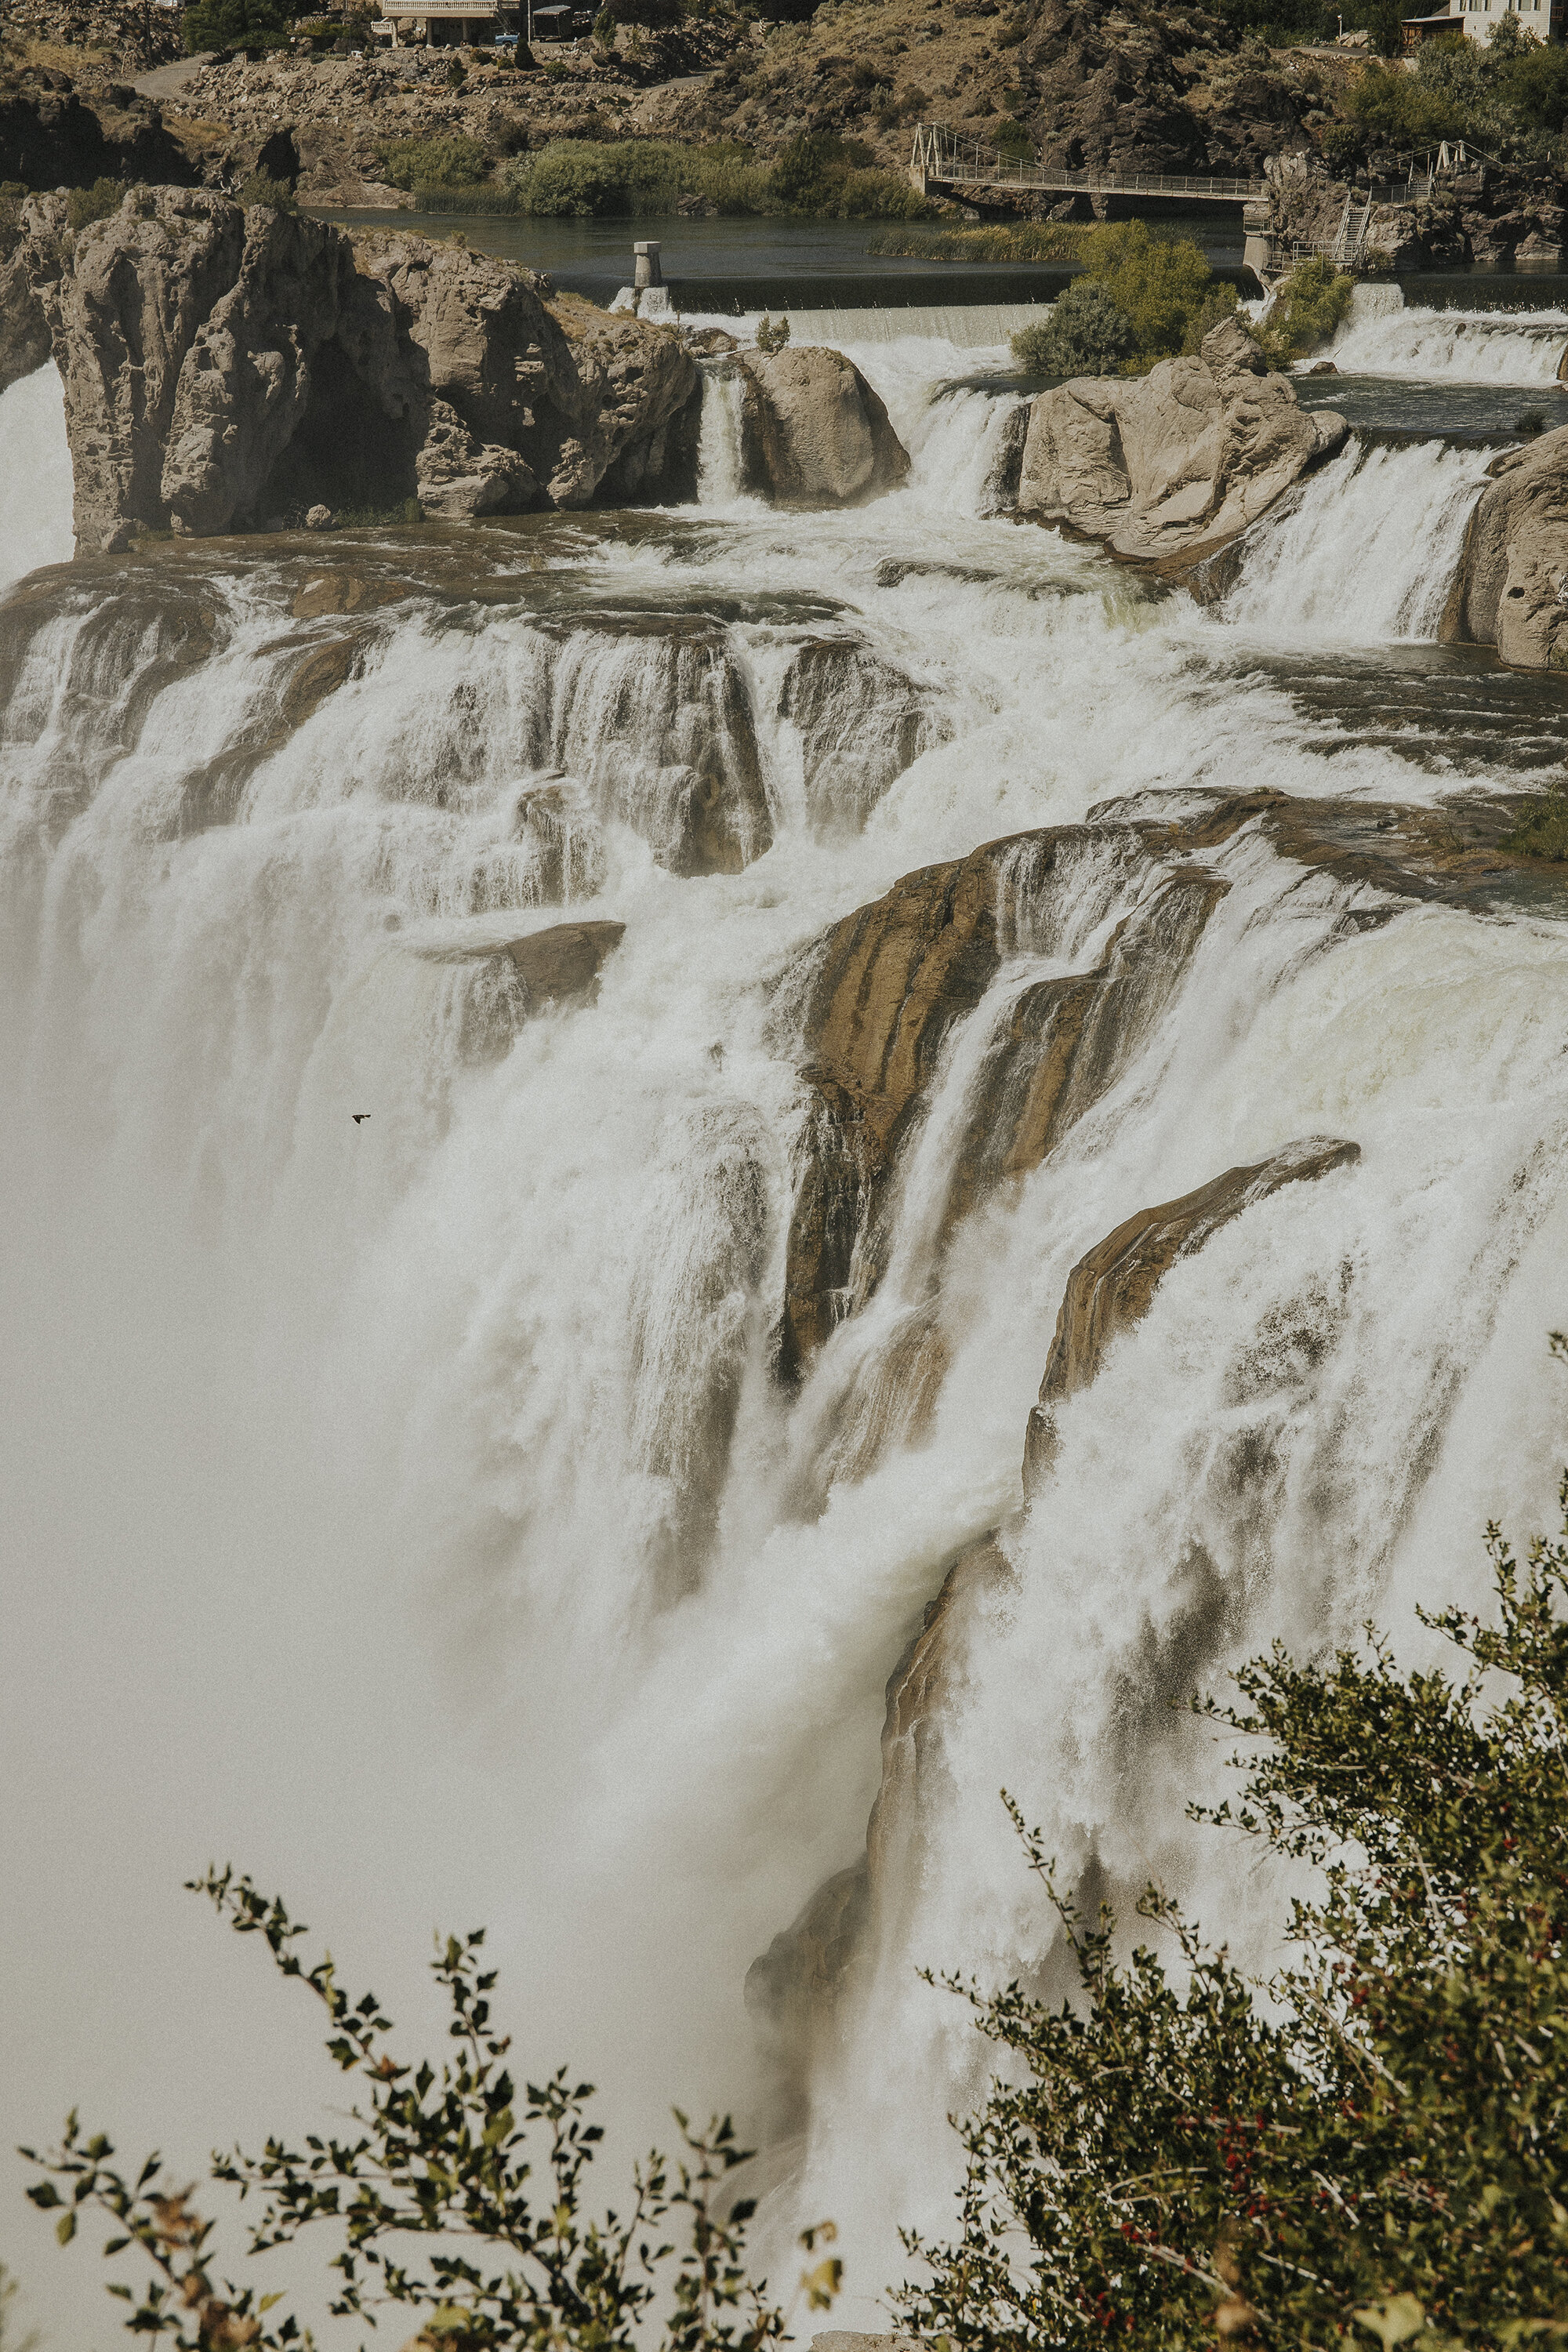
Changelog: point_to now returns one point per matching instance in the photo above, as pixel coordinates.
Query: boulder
(1112, 1287)
(223, 368)
(813, 432)
(1512, 589)
(1166, 468)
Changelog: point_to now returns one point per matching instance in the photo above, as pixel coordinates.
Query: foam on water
(1452, 346)
(1367, 550)
(413, 1504)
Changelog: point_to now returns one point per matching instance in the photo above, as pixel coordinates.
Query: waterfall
(35, 479)
(719, 441)
(1367, 552)
(1498, 347)
(439, 1468)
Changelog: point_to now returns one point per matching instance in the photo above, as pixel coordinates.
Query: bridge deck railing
(966, 164)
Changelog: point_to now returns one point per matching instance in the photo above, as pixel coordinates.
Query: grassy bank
(1029, 241)
(818, 176)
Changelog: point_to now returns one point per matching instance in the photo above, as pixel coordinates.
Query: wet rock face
(813, 432)
(656, 715)
(893, 980)
(562, 965)
(1112, 1287)
(861, 723)
(224, 368)
(1169, 467)
(1512, 587)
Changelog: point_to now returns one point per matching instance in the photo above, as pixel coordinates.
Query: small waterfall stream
(442, 1462)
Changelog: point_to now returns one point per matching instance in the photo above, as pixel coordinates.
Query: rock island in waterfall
(785, 1034)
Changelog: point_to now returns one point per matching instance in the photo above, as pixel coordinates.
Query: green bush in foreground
(445, 2153)
(1375, 2141)
(1139, 299)
(1385, 2145)
(261, 188)
(1087, 334)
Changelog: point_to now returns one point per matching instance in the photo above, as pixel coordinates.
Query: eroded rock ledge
(1511, 590)
(225, 367)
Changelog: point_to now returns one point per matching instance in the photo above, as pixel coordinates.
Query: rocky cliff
(1174, 464)
(227, 369)
(1511, 591)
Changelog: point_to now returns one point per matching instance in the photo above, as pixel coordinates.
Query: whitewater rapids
(367, 1524)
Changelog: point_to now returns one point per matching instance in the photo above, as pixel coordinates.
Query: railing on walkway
(939, 154)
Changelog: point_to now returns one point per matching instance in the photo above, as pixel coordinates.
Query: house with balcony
(449, 23)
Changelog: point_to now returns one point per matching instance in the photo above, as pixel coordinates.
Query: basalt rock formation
(891, 981)
(51, 137)
(1167, 468)
(1112, 1287)
(562, 965)
(1511, 591)
(813, 432)
(228, 369)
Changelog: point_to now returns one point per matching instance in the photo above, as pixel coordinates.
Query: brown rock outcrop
(1511, 591)
(1171, 465)
(893, 978)
(1112, 1287)
(813, 432)
(225, 368)
(562, 965)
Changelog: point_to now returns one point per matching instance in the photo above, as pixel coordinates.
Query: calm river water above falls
(410, 1509)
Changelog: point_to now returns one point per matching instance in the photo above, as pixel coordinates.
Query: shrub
(446, 160)
(234, 24)
(1382, 2141)
(444, 2152)
(261, 188)
(1305, 311)
(1161, 283)
(94, 203)
(1013, 140)
(1087, 334)
(1532, 423)
(772, 338)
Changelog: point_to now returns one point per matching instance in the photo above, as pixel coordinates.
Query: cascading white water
(435, 1468)
(34, 476)
(1456, 346)
(719, 442)
(1367, 551)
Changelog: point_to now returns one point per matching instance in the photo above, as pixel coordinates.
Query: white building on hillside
(1476, 19)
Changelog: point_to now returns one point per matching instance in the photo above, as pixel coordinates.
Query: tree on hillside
(235, 25)
(1385, 2147)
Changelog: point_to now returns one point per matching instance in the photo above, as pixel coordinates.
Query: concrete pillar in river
(1258, 253)
(645, 270)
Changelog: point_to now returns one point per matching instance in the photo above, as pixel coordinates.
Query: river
(409, 1508)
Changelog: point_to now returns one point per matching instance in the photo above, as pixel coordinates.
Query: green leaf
(65, 2228)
